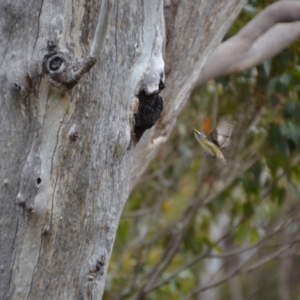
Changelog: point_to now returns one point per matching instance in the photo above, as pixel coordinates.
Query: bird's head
(199, 135)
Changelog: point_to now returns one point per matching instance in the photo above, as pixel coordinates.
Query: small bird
(217, 139)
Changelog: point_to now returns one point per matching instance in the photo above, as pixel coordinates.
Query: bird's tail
(223, 160)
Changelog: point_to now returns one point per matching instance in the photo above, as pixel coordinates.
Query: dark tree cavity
(149, 110)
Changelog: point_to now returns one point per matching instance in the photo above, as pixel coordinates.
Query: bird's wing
(221, 134)
(213, 136)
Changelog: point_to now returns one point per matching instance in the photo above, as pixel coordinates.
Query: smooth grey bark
(265, 36)
(66, 150)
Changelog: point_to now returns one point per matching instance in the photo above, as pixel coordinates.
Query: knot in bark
(63, 72)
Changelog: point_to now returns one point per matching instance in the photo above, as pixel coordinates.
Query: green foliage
(218, 210)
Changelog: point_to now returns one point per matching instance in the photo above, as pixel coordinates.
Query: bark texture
(66, 146)
(193, 31)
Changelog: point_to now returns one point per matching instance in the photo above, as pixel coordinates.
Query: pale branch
(217, 283)
(293, 254)
(279, 12)
(256, 246)
(261, 39)
(102, 27)
(269, 277)
(239, 271)
(207, 254)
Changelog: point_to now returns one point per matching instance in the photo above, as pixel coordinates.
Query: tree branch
(261, 39)
(238, 271)
(170, 252)
(207, 254)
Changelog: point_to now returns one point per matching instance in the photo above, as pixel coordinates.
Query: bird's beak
(196, 131)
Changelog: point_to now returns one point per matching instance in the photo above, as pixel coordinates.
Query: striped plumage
(217, 139)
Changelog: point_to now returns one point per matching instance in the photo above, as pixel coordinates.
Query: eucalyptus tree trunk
(80, 83)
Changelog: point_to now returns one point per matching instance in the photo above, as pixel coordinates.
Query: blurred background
(194, 229)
